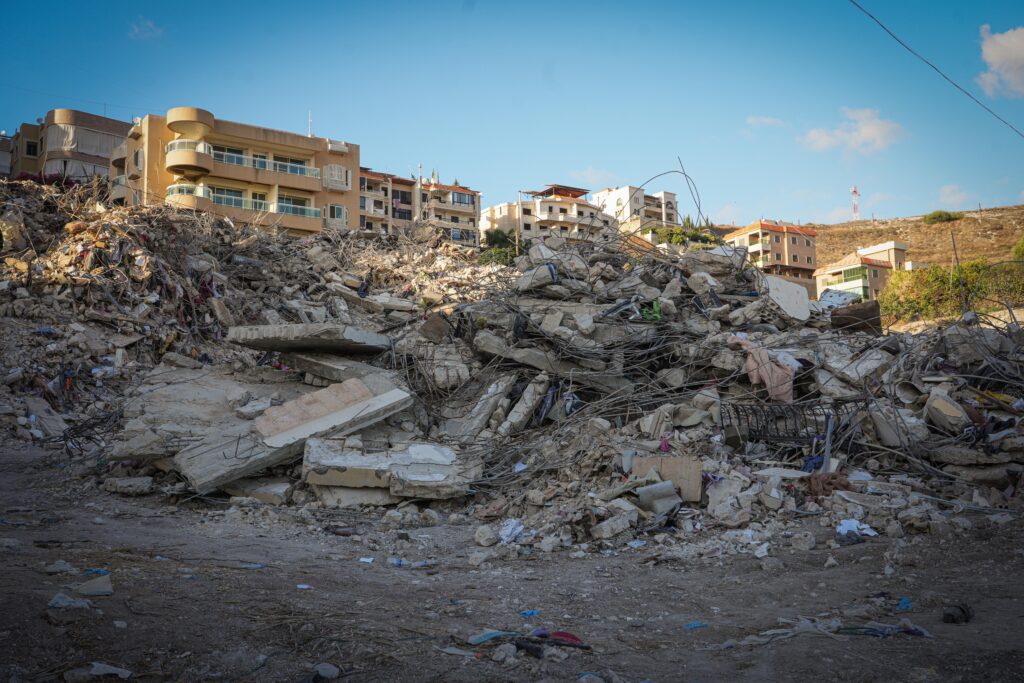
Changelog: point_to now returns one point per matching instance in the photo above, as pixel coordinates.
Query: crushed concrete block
(658, 498)
(269, 490)
(254, 408)
(789, 298)
(702, 283)
(436, 328)
(524, 408)
(551, 322)
(945, 413)
(180, 361)
(129, 486)
(613, 526)
(47, 420)
(345, 497)
(221, 312)
(485, 535)
(489, 343)
(340, 408)
(685, 472)
(466, 429)
(310, 337)
(328, 366)
(420, 469)
(537, 277)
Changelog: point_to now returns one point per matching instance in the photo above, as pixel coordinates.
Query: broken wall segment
(328, 337)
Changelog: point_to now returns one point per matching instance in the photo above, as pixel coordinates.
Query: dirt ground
(184, 607)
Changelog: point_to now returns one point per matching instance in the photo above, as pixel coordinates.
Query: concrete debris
(590, 392)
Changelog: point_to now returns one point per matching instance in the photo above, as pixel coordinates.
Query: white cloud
(952, 196)
(593, 177)
(729, 214)
(1004, 55)
(763, 121)
(862, 132)
(144, 29)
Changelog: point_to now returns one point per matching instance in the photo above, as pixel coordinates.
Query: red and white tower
(856, 208)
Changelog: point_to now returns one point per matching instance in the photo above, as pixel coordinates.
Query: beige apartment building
(557, 210)
(782, 249)
(630, 205)
(387, 203)
(66, 142)
(253, 175)
(6, 143)
(866, 271)
(455, 209)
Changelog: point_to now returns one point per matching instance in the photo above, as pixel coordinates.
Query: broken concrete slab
(466, 429)
(419, 470)
(945, 413)
(254, 408)
(344, 497)
(685, 472)
(524, 408)
(491, 344)
(310, 337)
(269, 490)
(329, 366)
(658, 498)
(46, 419)
(790, 298)
(340, 408)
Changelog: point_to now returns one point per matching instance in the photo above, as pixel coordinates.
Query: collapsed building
(588, 395)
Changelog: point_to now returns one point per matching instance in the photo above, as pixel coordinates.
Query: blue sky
(775, 108)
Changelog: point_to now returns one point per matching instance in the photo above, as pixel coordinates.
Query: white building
(628, 202)
(557, 211)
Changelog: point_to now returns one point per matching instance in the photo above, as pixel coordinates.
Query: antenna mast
(856, 209)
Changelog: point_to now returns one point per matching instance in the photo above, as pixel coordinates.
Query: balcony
(118, 188)
(263, 164)
(376, 192)
(191, 121)
(119, 154)
(187, 195)
(337, 177)
(189, 157)
(451, 206)
(374, 211)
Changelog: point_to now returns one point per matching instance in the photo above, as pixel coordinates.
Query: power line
(937, 70)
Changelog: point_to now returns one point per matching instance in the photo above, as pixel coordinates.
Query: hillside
(989, 235)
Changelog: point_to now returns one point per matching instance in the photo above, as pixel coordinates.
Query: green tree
(1017, 253)
(498, 238)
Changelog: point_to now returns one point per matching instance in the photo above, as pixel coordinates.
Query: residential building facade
(253, 175)
(631, 205)
(66, 142)
(781, 249)
(387, 203)
(6, 143)
(455, 209)
(866, 271)
(557, 210)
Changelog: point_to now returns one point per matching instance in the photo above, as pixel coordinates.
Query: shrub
(936, 292)
(1017, 253)
(497, 238)
(501, 255)
(942, 217)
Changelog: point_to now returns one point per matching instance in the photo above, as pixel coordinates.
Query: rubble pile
(593, 396)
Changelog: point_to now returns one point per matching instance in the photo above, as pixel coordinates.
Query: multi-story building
(455, 209)
(781, 249)
(387, 203)
(630, 204)
(249, 174)
(68, 143)
(866, 271)
(5, 154)
(557, 210)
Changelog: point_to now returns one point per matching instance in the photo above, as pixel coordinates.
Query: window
(336, 211)
(591, 214)
(259, 160)
(778, 256)
(229, 155)
(809, 259)
(462, 199)
(527, 227)
(403, 214)
(807, 243)
(792, 240)
(362, 222)
(606, 222)
(527, 212)
(403, 196)
(31, 148)
(562, 209)
(259, 201)
(423, 197)
(289, 165)
(362, 202)
(874, 272)
(455, 219)
(796, 259)
(226, 196)
(292, 201)
(777, 239)
(564, 229)
(137, 159)
(456, 234)
(579, 214)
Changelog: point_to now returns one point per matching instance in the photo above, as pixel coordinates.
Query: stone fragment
(129, 486)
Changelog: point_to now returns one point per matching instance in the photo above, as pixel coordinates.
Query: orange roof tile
(453, 188)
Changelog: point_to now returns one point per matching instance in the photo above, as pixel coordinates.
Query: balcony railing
(263, 163)
(189, 146)
(241, 202)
